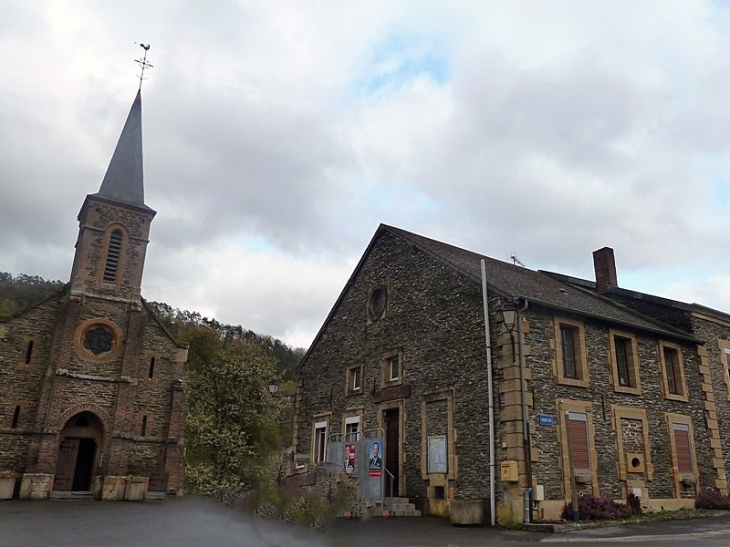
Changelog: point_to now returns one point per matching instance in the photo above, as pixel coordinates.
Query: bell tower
(114, 224)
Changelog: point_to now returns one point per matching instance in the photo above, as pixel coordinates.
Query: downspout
(488, 340)
(525, 425)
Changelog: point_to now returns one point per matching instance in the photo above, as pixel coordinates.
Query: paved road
(196, 522)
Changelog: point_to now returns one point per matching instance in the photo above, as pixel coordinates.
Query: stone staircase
(401, 507)
(71, 495)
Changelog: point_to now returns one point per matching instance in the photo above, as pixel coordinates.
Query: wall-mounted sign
(437, 454)
(547, 420)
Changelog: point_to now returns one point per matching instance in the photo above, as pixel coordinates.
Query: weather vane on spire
(143, 62)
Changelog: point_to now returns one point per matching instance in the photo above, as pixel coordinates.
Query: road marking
(637, 539)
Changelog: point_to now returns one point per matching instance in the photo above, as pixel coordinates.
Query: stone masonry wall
(602, 397)
(434, 317)
(21, 382)
(62, 380)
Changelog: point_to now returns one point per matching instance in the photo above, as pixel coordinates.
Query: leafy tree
(234, 425)
(178, 321)
(23, 291)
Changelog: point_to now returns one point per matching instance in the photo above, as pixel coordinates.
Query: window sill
(627, 389)
(675, 397)
(573, 382)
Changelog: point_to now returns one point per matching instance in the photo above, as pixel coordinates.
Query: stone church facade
(92, 401)
(591, 395)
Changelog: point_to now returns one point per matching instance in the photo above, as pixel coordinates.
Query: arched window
(16, 417)
(112, 256)
(151, 372)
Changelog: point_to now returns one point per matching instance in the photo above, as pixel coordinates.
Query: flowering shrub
(596, 508)
(711, 498)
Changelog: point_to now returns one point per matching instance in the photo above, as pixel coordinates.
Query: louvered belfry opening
(112, 257)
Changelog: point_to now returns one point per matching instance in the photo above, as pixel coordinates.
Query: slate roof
(124, 178)
(637, 295)
(537, 287)
(512, 281)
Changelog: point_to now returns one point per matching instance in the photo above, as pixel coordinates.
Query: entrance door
(84, 464)
(75, 463)
(67, 453)
(392, 448)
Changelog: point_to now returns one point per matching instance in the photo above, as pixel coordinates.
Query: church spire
(124, 181)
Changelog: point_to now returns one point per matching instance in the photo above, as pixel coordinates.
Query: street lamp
(273, 386)
(508, 314)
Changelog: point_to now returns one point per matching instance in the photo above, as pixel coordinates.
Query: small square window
(354, 380)
(393, 368)
(352, 429)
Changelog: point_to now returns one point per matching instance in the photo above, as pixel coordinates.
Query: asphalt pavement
(199, 522)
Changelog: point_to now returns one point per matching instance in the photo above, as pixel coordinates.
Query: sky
(278, 136)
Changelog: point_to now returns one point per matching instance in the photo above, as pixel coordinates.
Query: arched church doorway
(78, 452)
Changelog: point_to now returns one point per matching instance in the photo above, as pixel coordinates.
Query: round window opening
(377, 302)
(98, 340)
(635, 462)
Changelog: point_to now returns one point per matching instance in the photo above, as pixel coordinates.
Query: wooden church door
(67, 454)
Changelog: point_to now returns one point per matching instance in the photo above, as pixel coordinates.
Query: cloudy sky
(279, 134)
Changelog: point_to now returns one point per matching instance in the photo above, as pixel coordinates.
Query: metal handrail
(392, 478)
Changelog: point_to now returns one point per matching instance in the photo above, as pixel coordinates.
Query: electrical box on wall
(538, 492)
(508, 471)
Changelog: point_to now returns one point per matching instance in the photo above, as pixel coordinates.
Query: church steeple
(124, 179)
(114, 223)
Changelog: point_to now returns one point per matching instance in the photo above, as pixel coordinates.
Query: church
(92, 402)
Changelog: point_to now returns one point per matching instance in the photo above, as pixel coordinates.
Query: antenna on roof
(516, 261)
(143, 62)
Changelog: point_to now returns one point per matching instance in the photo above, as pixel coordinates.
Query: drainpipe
(525, 426)
(487, 337)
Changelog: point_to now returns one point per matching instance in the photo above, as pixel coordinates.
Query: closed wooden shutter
(578, 424)
(683, 447)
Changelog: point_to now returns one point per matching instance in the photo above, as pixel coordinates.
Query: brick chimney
(605, 268)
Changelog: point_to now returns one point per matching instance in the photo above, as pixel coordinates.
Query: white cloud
(279, 135)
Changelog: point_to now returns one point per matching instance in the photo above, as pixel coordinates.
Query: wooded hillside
(21, 291)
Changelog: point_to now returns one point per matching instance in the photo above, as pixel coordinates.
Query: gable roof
(535, 286)
(514, 282)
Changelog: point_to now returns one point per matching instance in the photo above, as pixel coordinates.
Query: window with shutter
(578, 423)
(683, 448)
(320, 441)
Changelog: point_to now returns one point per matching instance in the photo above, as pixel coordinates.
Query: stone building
(92, 399)
(590, 395)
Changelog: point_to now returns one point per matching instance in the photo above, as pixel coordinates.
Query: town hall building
(502, 392)
(92, 401)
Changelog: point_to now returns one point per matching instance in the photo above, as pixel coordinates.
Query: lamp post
(273, 387)
(512, 313)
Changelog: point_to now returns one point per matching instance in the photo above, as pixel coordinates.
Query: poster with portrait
(350, 458)
(375, 461)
